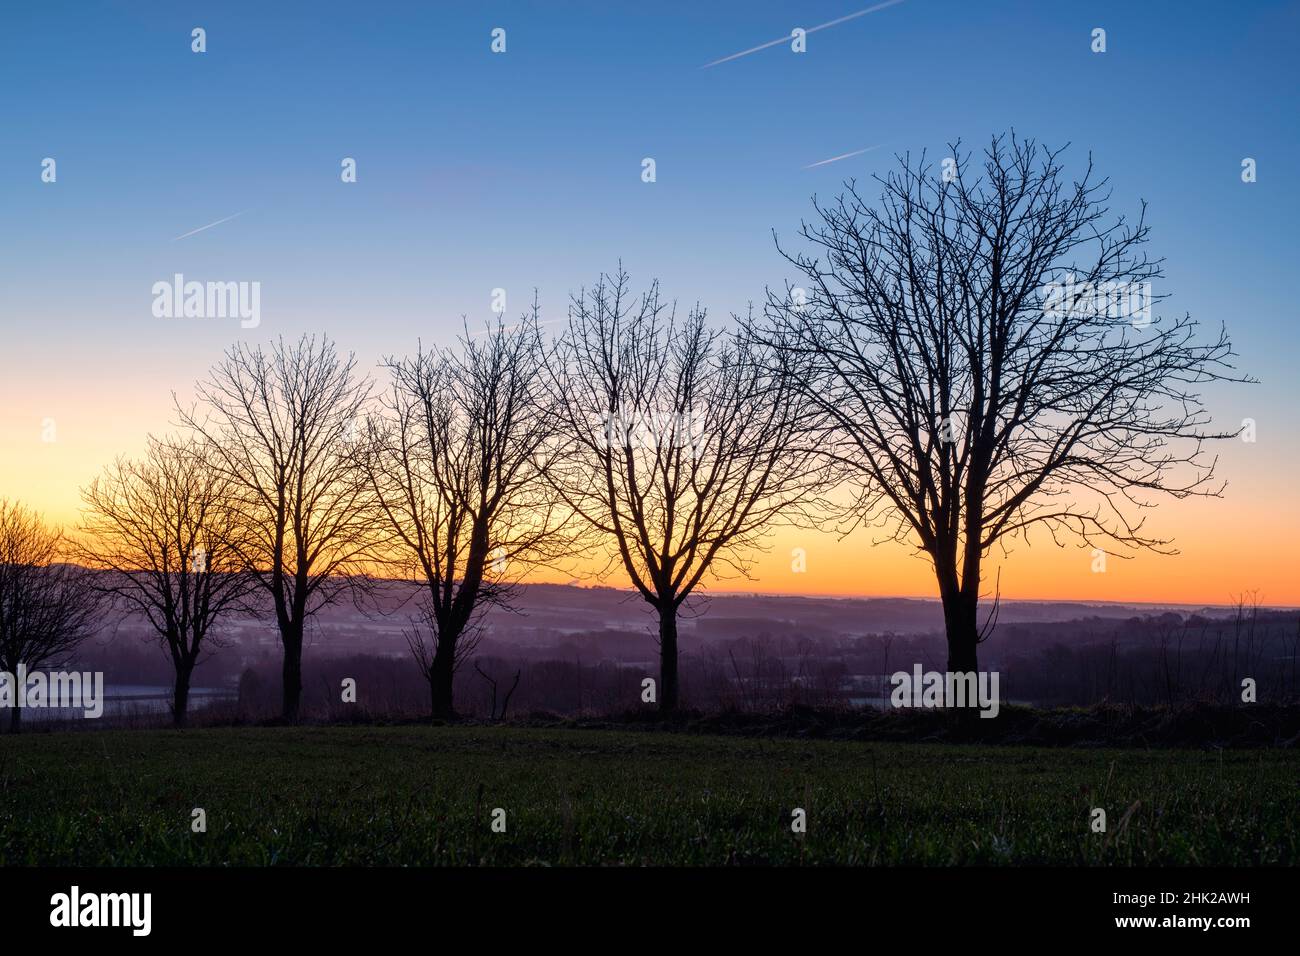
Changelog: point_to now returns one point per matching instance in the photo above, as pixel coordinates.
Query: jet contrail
(836, 159)
(208, 226)
(823, 26)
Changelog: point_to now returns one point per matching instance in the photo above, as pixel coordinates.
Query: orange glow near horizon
(1240, 543)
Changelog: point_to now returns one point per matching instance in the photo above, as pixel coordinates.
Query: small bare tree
(456, 464)
(493, 713)
(46, 606)
(283, 426)
(983, 341)
(161, 530)
(684, 446)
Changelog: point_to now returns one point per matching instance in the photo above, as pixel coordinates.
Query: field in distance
(414, 795)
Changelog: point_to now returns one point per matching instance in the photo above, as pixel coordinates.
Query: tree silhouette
(456, 464)
(683, 446)
(46, 607)
(983, 344)
(282, 427)
(162, 531)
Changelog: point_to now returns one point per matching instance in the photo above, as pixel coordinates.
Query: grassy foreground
(426, 795)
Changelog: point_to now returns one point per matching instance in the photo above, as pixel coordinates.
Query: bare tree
(984, 344)
(684, 445)
(162, 531)
(493, 713)
(456, 464)
(46, 608)
(283, 427)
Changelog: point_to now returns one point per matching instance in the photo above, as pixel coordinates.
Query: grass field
(425, 795)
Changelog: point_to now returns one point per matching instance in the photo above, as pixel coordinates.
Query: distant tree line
(1173, 660)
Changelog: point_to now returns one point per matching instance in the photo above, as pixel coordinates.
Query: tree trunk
(441, 673)
(181, 695)
(292, 671)
(667, 659)
(15, 719)
(961, 623)
(962, 626)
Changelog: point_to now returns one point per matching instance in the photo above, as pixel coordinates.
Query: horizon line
(856, 596)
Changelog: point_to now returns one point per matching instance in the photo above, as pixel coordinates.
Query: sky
(522, 171)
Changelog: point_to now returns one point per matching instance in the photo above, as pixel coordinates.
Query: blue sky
(522, 170)
(519, 170)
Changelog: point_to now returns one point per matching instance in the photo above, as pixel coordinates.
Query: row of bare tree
(928, 379)
(667, 444)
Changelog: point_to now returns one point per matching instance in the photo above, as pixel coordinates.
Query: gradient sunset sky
(523, 170)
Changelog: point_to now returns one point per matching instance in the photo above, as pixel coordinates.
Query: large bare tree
(283, 425)
(684, 445)
(456, 463)
(162, 533)
(985, 343)
(46, 605)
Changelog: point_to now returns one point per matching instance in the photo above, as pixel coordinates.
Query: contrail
(823, 26)
(208, 226)
(836, 159)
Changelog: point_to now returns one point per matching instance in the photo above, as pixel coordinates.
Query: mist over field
(585, 650)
